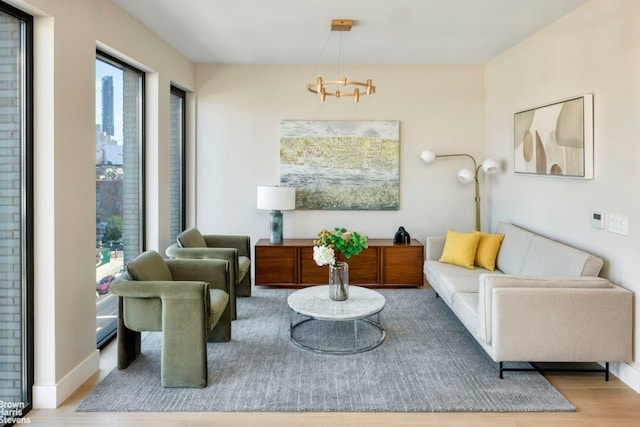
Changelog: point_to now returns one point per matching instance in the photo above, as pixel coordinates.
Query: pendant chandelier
(351, 88)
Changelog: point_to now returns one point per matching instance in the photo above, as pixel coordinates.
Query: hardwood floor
(599, 403)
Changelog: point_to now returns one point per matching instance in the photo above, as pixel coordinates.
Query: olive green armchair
(191, 244)
(187, 300)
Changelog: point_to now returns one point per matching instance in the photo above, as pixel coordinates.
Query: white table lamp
(276, 199)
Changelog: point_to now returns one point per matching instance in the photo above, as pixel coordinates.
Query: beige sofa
(543, 303)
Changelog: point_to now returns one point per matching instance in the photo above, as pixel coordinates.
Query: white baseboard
(627, 374)
(52, 396)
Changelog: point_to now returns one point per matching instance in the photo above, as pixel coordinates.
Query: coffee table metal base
(355, 350)
(314, 304)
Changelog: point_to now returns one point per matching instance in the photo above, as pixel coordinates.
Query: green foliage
(347, 243)
(113, 230)
(109, 173)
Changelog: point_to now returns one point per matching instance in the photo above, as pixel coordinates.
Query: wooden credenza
(291, 264)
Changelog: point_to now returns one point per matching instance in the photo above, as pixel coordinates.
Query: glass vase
(339, 281)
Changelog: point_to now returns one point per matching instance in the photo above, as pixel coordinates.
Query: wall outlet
(619, 224)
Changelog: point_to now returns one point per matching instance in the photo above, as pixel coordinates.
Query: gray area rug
(428, 363)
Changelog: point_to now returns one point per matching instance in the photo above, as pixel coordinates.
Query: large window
(177, 163)
(119, 180)
(16, 214)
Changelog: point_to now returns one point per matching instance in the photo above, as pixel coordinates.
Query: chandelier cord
(340, 56)
(357, 88)
(319, 61)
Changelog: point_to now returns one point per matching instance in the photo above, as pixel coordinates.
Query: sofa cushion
(487, 252)
(465, 305)
(191, 238)
(149, 266)
(244, 264)
(513, 249)
(460, 248)
(218, 300)
(447, 279)
(547, 257)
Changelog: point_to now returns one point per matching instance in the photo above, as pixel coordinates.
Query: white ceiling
(384, 32)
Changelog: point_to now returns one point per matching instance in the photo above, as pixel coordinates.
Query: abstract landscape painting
(556, 139)
(341, 165)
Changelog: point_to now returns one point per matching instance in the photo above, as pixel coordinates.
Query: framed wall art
(555, 139)
(341, 165)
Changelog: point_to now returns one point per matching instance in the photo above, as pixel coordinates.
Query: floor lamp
(276, 199)
(489, 166)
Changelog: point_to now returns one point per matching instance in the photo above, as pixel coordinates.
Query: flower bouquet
(330, 248)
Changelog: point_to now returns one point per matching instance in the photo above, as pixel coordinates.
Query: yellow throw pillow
(460, 248)
(487, 251)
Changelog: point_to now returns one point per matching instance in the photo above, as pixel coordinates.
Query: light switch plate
(619, 224)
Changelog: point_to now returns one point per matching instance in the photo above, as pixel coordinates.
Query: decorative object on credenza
(402, 237)
(467, 176)
(341, 165)
(555, 139)
(346, 244)
(351, 88)
(276, 199)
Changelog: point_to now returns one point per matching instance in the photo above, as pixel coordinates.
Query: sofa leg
(541, 370)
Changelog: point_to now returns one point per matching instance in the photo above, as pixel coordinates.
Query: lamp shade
(427, 156)
(490, 166)
(276, 198)
(465, 176)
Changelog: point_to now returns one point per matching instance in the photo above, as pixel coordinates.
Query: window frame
(142, 236)
(183, 155)
(27, 208)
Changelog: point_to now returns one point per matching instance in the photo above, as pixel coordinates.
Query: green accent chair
(191, 244)
(187, 300)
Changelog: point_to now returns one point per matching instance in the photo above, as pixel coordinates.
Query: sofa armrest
(174, 251)
(490, 282)
(435, 246)
(213, 271)
(241, 243)
(555, 318)
(142, 309)
(228, 254)
(159, 289)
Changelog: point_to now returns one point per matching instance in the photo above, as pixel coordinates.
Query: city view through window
(118, 183)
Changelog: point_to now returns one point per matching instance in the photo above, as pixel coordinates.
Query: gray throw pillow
(149, 266)
(191, 238)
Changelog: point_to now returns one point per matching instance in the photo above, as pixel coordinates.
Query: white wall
(239, 111)
(595, 49)
(67, 33)
(239, 108)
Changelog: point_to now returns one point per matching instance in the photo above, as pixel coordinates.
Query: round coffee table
(315, 305)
